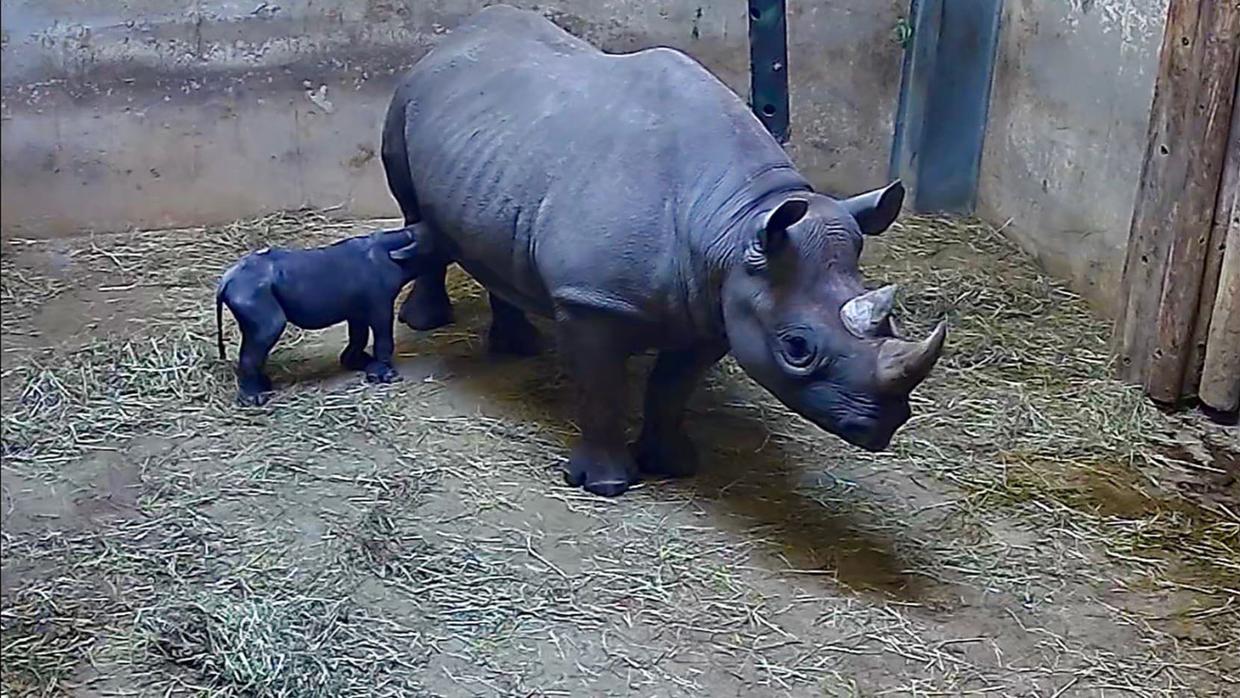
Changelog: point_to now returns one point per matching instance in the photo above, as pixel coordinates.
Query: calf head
(801, 323)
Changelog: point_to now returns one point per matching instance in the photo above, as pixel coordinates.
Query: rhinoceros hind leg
(663, 449)
(600, 462)
(262, 321)
(428, 305)
(511, 331)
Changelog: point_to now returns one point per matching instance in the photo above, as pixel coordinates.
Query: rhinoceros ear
(775, 226)
(876, 210)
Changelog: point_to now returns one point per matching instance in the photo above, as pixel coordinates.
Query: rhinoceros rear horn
(903, 364)
(864, 314)
(876, 210)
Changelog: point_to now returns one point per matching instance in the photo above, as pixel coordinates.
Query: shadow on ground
(752, 480)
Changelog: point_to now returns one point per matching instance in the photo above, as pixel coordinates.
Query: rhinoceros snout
(870, 434)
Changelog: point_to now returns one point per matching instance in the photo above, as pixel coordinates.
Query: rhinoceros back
(551, 167)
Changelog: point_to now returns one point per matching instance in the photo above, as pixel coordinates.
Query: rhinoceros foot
(427, 307)
(673, 456)
(254, 398)
(379, 372)
(607, 475)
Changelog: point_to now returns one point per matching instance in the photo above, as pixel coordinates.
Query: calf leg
(428, 305)
(380, 370)
(262, 322)
(511, 332)
(663, 449)
(600, 461)
(354, 356)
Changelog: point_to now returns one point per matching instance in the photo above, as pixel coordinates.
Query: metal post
(768, 65)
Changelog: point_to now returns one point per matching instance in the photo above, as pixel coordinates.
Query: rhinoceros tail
(394, 153)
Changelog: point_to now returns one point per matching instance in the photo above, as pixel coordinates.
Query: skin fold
(638, 203)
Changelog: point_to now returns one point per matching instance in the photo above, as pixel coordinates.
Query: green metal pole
(768, 65)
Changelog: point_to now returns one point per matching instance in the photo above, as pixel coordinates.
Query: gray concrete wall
(145, 113)
(1067, 131)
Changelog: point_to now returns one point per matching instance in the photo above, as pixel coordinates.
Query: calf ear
(876, 210)
(415, 242)
(407, 252)
(774, 231)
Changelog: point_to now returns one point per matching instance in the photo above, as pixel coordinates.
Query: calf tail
(219, 317)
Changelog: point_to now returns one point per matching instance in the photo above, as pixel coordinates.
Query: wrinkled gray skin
(636, 201)
(355, 281)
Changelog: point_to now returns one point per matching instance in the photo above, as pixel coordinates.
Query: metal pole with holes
(768, 65)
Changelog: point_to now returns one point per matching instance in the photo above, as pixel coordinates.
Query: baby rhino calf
(355, 280)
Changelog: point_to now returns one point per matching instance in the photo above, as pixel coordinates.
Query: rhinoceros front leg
(428, 306)
(663, 449)
(600, 461)
(380, 369)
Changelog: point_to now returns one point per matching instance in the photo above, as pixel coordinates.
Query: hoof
(519, 340)
(253, 399)
(381, 374)
(674, 457)
(356, 362)
(607, 488)
(604, 476)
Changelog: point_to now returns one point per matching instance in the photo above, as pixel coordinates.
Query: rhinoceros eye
(797, 350)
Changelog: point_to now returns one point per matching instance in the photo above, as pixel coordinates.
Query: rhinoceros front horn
(864, 314)
(903, 364)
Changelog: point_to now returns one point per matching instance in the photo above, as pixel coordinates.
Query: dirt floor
(1037, 529)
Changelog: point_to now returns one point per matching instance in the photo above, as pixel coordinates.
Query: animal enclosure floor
(1037, 529)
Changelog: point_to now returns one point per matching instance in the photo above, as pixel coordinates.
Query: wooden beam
(1220, 375)
(1225, 209)
(1179, 184)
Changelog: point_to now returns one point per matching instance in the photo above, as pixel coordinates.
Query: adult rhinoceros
(635, 200)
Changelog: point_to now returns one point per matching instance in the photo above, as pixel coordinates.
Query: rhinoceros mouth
(873, 435)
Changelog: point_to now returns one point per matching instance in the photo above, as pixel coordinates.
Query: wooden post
(1220, 375)
(1189, 123)
(1225, 210)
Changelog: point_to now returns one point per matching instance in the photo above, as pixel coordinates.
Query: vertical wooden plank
(1162, 176)
(1179, 184)
(1220, 376)
(1227, 206)
(1219, 32)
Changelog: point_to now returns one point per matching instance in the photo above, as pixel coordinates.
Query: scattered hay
(22, 293)
(297, 549)
(110, 392)
(298, 646)
(45, 635)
